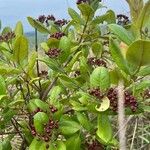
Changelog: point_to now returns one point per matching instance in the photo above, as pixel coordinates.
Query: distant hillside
(31, 37)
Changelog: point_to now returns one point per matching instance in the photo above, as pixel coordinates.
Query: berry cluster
(130, 100)
(61, 22)
(36, 111)
(44, 19)
(147, 94)
(82, 1)
(96, 93)
(48, 127)
(53, 52)
(94, 145)
(51, 18)
(7, 37)
(93, 61)
(48, 130)
(57, 35)
(53, 109)
(123, 19)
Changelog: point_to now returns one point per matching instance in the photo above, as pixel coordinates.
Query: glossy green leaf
(68, 127)
(37, 25)
(20, 49)
(37, 145)
(121, 33)
(2, 86)
(104, 105)
(53, 64)
(144, 15)
(138, 53)
(75, 16)
(5, 144)
(61, 145)
(118, 57)
(104, 131)
(31, 63)
(68, 82)
(40, 119)
(109, 17)
(6, 30)
(19, 29)
(100, 78)
(97, 48)
(84, 121)
(65, 46)
(55, 91)
(86, 10)
(74, 143)
(145, 71)
(7, 70)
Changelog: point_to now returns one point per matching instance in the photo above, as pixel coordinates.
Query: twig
(16, 127)
(44, 96)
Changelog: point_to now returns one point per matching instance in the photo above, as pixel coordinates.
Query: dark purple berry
(53, 52)
(41, 18)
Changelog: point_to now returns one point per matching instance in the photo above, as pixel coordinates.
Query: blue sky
(13, 10)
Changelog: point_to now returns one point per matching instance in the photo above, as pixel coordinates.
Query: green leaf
(97, 48)
(75, 16)
(84, 121)
(104, 131)
(19, 29)
(68, 82)
(5, 144)
(40, 119)
(144, 15)
(53, 64)
(31, 63)
(74, 143)
(20, 49)
(109, 17)
(2, 86)
(100, 78)
(7, 70)
(65, 46)
(77, 106)
(6, 30)
(104, 105)
(118, 57)
(37, 25)
(141, 85)
(138, 53)
(145, 71)
(86, 10)
(61, 145)
(52, 43)
(121, 33)
(39, 103)
(68, 127)
(44, 46)
(146, 109)
(55, 91)
(36, 145)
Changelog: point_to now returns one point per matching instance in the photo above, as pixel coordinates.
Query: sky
(12, 11)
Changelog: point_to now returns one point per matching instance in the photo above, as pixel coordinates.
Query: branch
(44, 96)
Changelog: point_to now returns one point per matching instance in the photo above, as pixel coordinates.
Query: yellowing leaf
(104, 105)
